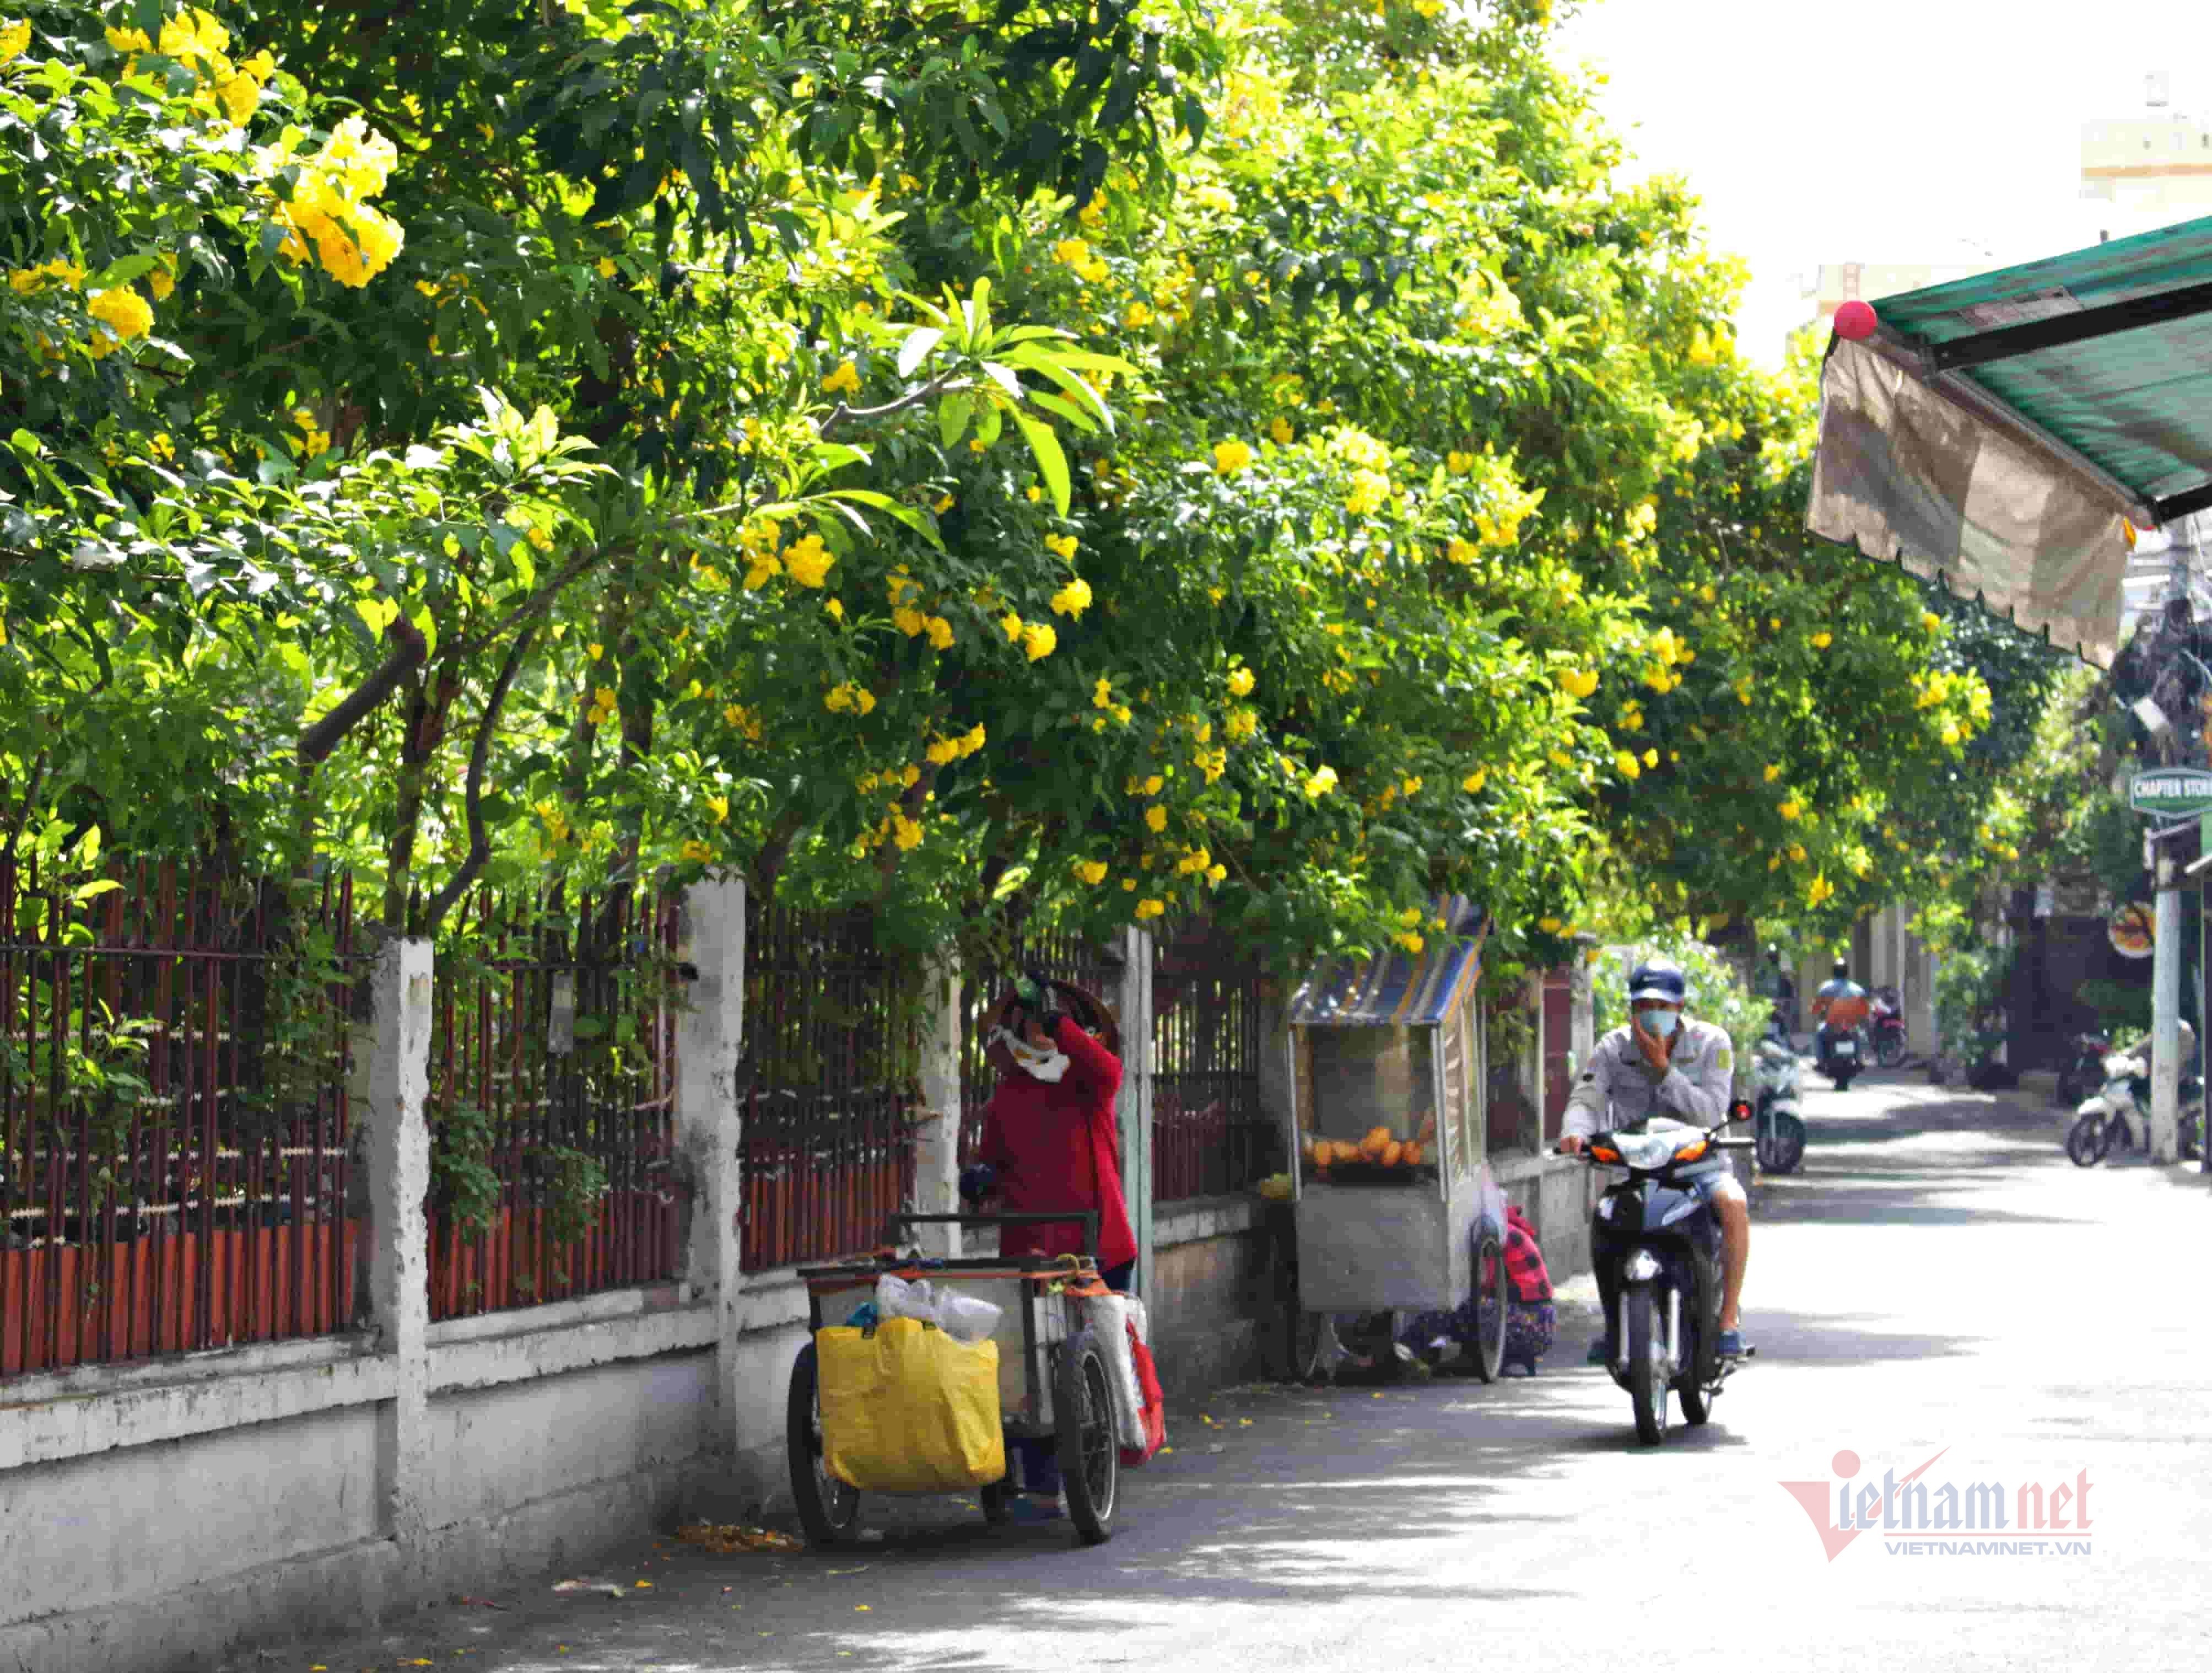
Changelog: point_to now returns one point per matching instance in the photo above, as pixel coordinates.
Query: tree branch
(23, 812)
(857, 415)
(479, 854)
(327, 733)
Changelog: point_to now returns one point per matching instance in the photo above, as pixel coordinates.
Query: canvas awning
(1403, 990)
(1994, 433)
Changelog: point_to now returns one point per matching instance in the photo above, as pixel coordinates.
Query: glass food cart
(1386, 1068)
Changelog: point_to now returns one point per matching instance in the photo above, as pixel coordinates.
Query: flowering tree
(990, 464)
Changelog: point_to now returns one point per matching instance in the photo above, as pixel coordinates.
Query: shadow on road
(1274, 1496)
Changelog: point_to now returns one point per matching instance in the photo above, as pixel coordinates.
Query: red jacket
(1056, 1146)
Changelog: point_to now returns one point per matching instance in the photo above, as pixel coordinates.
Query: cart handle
(1088, 1219)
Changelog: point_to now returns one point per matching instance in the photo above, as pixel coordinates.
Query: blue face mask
(1661, 1023)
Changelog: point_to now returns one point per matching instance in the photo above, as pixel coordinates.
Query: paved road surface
(1938, 1282)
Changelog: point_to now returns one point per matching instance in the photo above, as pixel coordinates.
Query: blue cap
(1659, 978)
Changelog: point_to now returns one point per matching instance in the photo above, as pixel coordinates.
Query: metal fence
(1062, 957)
(173, 1119)
(1209, 1133)
(830, 1084)
(552, 1102)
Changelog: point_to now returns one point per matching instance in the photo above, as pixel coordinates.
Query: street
(1937, 1283)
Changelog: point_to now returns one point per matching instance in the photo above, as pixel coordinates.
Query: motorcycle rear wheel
(1647, 1374)
(1486, 1352)
(1889, 1051)
(2086, 1142)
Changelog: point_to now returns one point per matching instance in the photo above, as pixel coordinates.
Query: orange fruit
(1412, 1154)
(1392, 1152)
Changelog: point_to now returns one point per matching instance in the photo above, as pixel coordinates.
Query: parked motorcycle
(1778, 1116)
(2110, 1115)
(1886, 1026)
(2085, 1072)
(1662, 1246)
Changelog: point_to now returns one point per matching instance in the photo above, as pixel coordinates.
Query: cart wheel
(1486, 1352)
(994, 1499)
(1090, 1457)
(829, 1509)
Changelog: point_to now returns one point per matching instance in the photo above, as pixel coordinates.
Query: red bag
(1154, 1408)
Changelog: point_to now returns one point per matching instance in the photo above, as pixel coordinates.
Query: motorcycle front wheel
(2085, 1144)
(1781, 1148)
(1647, 1370)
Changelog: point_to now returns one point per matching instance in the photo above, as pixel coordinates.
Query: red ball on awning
(1854, 320)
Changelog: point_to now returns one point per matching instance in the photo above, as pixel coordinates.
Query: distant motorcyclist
(1663, 1063)
(1839, 1005)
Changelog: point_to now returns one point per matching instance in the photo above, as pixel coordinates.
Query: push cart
(1054, 1379)
(1395, 1210)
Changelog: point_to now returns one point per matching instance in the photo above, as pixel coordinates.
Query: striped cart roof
(1400, 989)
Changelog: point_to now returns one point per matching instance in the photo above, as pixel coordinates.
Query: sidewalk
(929, 1572)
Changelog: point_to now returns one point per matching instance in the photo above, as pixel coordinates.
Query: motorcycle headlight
(2117, 1068)
(1648, 1150)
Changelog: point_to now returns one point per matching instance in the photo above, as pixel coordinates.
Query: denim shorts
(1709, 1182)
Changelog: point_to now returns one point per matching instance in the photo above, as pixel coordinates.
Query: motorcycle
(1842, 1055)
(1663, 1248)
(1777, 1120)
(1886, 1026)
(2110, 1115)
(2085, 1072)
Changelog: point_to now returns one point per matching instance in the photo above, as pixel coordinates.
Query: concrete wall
(1212, 1301)
(158, 1517)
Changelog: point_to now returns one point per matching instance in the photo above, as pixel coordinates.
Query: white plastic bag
(968, 1318)
(1491, 1200)
(1109, 1317)
(897, 1299)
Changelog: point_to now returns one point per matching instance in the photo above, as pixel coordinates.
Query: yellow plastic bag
(909, 1410)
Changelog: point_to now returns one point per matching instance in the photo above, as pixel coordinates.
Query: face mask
(1047, 1066)
(1661, 1023)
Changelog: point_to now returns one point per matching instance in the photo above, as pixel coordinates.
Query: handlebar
(1088, 1219)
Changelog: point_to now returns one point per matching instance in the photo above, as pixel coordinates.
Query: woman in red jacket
(1049, 1136)
(1050, 1146)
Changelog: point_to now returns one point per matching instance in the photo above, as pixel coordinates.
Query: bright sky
(1905, 130)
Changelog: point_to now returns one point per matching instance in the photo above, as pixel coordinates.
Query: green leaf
(1067, 409)
(953, 419)
(916, 350)
(1004, 377)
(1073, 382)
(890, 507)
(1049, 458)
(90, 891)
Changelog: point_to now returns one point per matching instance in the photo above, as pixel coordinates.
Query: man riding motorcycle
(1840, 1006)
(1663, 1063)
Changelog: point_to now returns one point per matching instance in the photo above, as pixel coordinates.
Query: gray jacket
(1617, 1088)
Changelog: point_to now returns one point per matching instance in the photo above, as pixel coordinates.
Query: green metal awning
(1994, 432)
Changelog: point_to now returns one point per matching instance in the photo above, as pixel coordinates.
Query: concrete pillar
(1132, 1111)
(2166, 1015)
(1582, 1030)
(396, 1153)
(937, 1137)
(709, 1123)
(1530, 1068)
